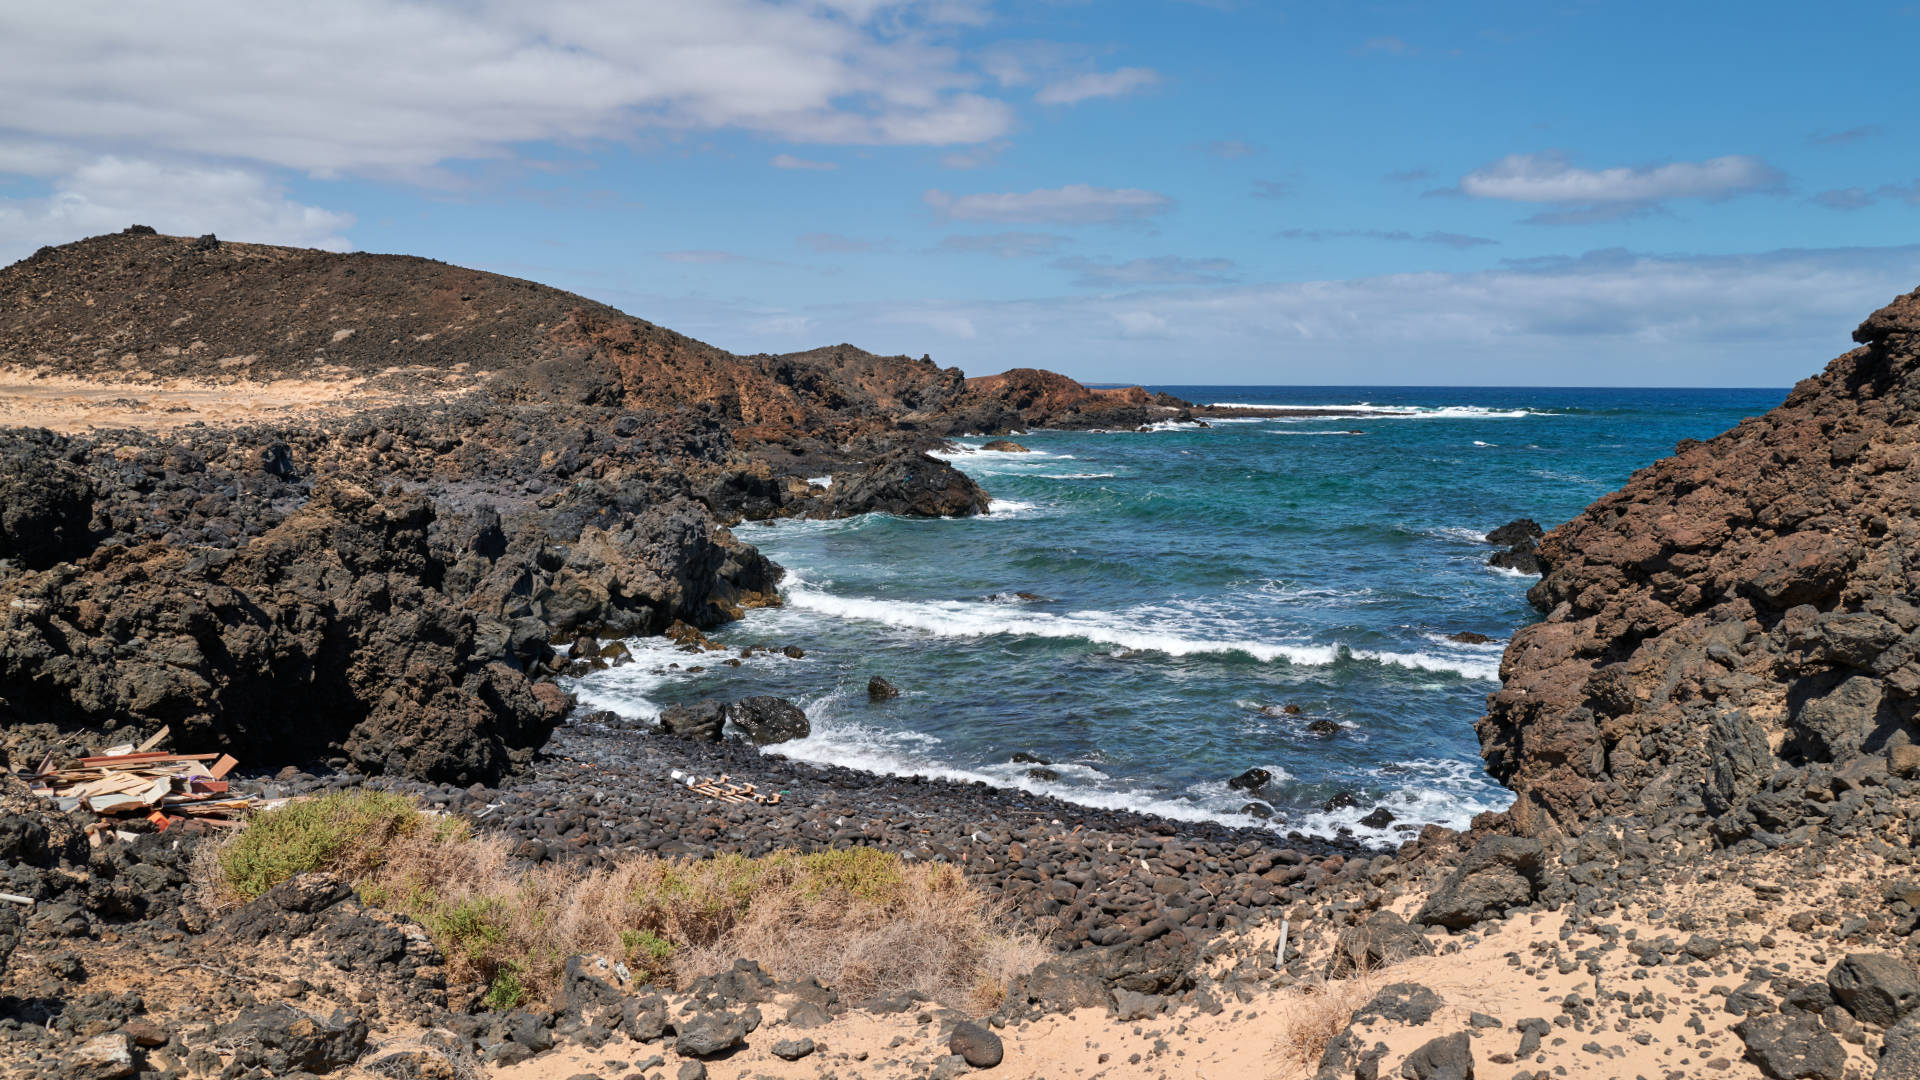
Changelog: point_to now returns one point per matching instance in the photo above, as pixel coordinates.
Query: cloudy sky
(1173, 191)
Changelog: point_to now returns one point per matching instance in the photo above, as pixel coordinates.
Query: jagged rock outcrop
(908, 483)
(1742, 606)
(467, 468)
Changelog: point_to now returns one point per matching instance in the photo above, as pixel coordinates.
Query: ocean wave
(1399, 412)
(963, 619)
(1421, 791)
(1505, 571)
(1075, 476)
(1316, 433)
(1458, 534)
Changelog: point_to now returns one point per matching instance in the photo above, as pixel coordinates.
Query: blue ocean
(1145, 615)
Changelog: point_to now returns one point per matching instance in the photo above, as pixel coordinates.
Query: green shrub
(505, 993)
(344, 832)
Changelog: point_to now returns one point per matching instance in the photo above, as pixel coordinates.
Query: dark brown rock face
(1745, 603)
(908, 483)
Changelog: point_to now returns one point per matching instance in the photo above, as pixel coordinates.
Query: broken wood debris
(139, 782)
(724, 788)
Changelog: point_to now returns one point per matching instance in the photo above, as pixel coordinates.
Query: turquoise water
(1184, 586)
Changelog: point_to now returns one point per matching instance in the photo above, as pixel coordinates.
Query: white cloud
(975, 157)
(703, 257)
(836, 244)
(1075, 204)
(1607, 318)
(1551, 178)
(359, 86)
(107, 194)
(1140, 324)
(1007, 245)
(1159, 270)
(1097, 84)
(788, 161)
(1392, 236)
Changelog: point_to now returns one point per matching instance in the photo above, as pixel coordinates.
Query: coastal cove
(1141, 606)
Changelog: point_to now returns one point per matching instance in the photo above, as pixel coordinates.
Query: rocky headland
(348, 517)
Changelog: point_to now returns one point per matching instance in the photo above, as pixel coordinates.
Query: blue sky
(1161, 191)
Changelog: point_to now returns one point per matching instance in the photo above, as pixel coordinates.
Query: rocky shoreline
(1709, 869)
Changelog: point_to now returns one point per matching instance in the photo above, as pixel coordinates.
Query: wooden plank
(157, 757)
(222, 767)
(164, 731)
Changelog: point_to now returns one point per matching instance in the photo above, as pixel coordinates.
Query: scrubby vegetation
(859, 919)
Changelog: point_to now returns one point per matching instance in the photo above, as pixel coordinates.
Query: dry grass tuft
(1316, 1014)
(859, 920)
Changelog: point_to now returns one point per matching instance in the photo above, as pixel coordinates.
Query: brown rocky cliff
(1743, 606)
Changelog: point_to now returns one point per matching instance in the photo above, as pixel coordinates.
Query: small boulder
(1005, 446)
(879, 689)
(1792, 1047)
(981, 1048)
(766, 720)
(1501, 872)
(1378, 940)
(103, 1057)
(1904, 760)
(1449, 1057)
(793, 1049)
(708, 1033)
(1251, 780)
(1875, 987)
(702, 720)
(1516, 531)
(1468, 637)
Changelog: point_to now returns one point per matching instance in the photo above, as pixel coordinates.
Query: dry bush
(1312, 1015)
(859, 920)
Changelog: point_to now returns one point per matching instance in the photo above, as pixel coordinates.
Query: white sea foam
(1366, 410)
(1075, 476)
(1421, 791)
(964, 619)
(1458, 534)
(1504, 571)
(1477, 442)
(1311, 433)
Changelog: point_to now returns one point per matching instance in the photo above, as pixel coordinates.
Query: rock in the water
(1378, 940)
(981, 1047)
(1005, 446)
(1876, 987)
(1516, 531)
(879, 689)
(1379, 818)
(1449, 1057)
(705, 1034)
(1499, 873)
(766, 720)
(1251, 780)
(702, 720)
(910, 484)
(1469, 637)
(1793, 1047)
